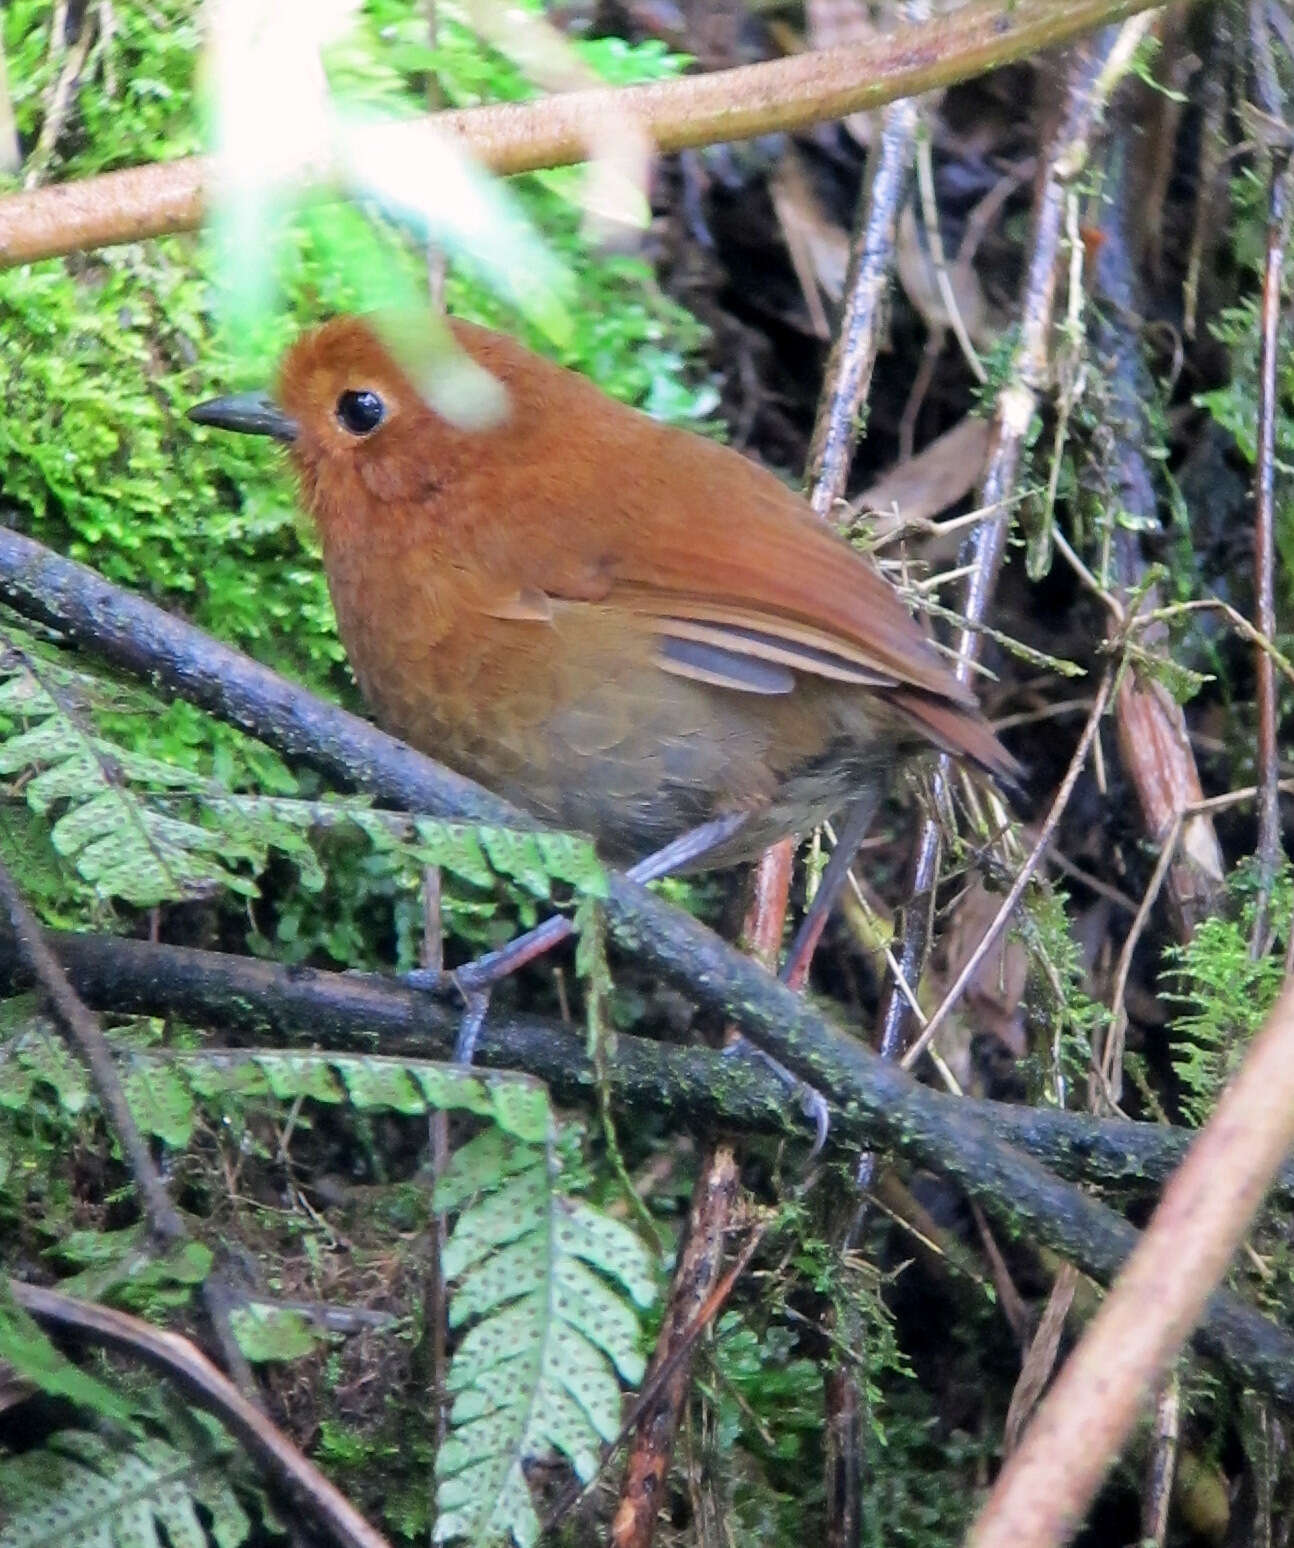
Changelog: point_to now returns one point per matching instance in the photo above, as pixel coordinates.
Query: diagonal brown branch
(180, 1361)
(1041, 1493)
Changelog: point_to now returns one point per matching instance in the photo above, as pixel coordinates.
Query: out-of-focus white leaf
(620, 149)
(423, 178)
(277, 129)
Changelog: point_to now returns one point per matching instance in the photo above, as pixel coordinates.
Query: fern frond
(147, 831)
(77, 1491)
(29, 1351)
(118, 841)
(546, 1289)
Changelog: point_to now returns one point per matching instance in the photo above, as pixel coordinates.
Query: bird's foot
(475, 979)
(483, 972)
(812, 1102)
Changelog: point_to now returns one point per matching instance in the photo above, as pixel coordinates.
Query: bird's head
(356, 423)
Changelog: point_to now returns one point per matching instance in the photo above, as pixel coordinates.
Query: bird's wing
(746, 596)
(769, 583)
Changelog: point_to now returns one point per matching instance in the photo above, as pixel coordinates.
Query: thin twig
(1269, 826)
(939, 260)
(835, 435)
(1154, 745)
(653, 1422)
(1023, 876)
(1161, 1466)
(60, 98)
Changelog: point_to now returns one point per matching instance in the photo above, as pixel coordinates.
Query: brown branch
(715, 1198)
(1044, 1488)
(707, 1309)
(178, 1360)
(139, 202)
(655, 1422)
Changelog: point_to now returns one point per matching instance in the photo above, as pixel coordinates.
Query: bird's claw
(474, 995)
(470, 1024)
(816, 1109)
(813, 1104)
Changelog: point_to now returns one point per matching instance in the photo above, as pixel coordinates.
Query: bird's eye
(360, 412)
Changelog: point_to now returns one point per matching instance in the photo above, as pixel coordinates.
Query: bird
(625, 628)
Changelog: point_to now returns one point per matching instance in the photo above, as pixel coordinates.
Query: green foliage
(1223, 991)
(121, 843)
(30, 1353)
(545, 1288)
(80, 1491)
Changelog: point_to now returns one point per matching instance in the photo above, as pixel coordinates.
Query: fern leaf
(79, 1490)
(540, 1288)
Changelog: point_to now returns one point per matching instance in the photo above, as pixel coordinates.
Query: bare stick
(1269, 827)
(1045, 1487)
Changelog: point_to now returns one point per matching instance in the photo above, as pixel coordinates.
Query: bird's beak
(254, 413)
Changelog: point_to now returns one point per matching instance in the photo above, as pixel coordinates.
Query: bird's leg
(795, 969)
(475, 979)
(858, 819)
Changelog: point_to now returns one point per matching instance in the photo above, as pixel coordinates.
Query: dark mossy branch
(900, 1114)
(698, 1087)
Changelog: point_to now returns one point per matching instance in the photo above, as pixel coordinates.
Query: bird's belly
(576, 722)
